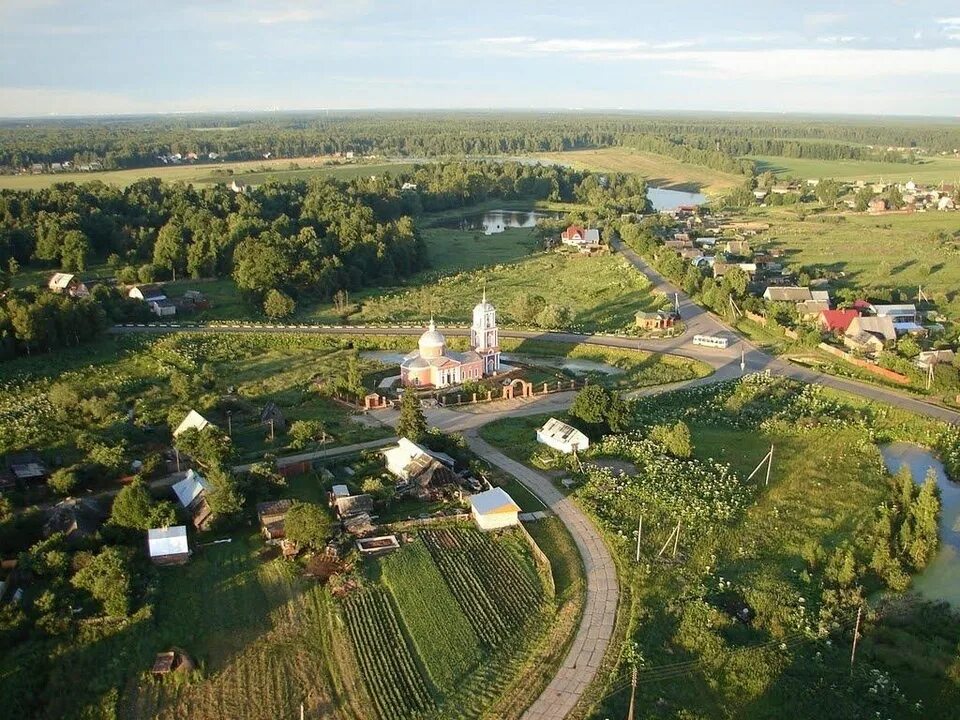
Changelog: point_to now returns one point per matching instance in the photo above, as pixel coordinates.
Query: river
(940, 580)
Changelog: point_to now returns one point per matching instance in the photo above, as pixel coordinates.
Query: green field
(253, 172)
(930, 170)
(887, 251)
(779, 549)
(658, 170)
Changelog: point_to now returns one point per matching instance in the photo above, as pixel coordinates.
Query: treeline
(694, 149)
(140, 142)
(35, 321)
(812, 149)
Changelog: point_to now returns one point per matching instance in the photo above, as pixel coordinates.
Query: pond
(577, 366)
(940, 580)
(664, 199)
(492, 222)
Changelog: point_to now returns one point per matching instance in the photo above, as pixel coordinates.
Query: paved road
(583, 660)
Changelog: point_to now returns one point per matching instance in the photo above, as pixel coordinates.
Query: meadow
(252, 172)
(796, 553)
(658, 170)
(930, 170)
(870, 251)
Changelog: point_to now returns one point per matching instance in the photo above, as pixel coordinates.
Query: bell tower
(484, 336)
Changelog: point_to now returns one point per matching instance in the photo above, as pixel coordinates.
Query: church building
(434, 365)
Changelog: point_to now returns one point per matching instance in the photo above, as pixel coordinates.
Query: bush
(63, 481)
(308, 525)
(277, 304)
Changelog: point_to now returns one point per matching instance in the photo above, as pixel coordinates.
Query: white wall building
(494, 509)
(562, 437)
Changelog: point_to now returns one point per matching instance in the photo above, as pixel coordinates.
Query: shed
(168, 546)
(76, 518)
(494, 509)
(562, 437)
(272, 413)
(354, 505)
(191, 495)
(193, 421)
(272, 515)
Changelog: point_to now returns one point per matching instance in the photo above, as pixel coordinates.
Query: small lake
(664, 199)
(577, 366)
(496, 221)
(940, 580)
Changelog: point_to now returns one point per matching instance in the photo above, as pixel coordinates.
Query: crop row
(498, 596)
(395, 684)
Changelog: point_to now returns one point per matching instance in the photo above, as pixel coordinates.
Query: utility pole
(743, 361)
(856, 636)
(230, 423)
(676, 540)
(177, 453)
(633, 693)
(676, 303)
(639, 531)
(769, 465)
(271, 429)
(929, 375)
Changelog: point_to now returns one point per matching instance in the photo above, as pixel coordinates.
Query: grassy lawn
(932, 170)
(459, 250)
(659, 170)
(886, 251)
(252, 172)
(602, 292)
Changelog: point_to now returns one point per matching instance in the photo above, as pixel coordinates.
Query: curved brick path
(599, 613)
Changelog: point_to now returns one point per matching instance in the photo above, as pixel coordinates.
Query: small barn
(272, 515)
(419, 471)
(168, 546)
(191, 494)
(354, 505)
(494, 509)
(562, 437)
(272, 415)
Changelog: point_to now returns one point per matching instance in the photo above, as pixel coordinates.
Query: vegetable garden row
(396, 686)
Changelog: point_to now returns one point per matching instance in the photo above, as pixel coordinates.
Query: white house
(154, 296)
(67, 283)
(562, 437)
(494, 509)
(905, 317)
(406, 459)
(168, 546)
(193, 421)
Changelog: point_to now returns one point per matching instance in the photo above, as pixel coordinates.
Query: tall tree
(412, 423)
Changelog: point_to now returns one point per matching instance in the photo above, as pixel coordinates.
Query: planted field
(658, 170)
(396, 686)
(933, 170)
(498, 593)
(440, 632)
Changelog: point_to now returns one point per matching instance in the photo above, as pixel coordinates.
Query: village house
(155, 298)
(238, 186)
(419, 471)
(581, 238)
(678, 245)
(67, 283)
(659, 320)
(877, 205)
(352, 505)
(494, 509)
(905, 317)
(75, 518)
(191, 494)
(432, 364)
(193, 421)
(562, 437)
(24, 468)
(168, 546)
(738, 248)
(836, 321)
(869, 334)
(811, 309)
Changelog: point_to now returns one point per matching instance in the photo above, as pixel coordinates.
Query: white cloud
(773, 63)
(822, 19)
(951, 27)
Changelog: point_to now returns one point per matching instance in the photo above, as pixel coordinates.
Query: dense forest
(140, 142)
(281, 242)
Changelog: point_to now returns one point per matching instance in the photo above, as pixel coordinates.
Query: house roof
(838, 319)
(493, 502)
(75, 515)
(788, 294)
(149, 292)
(812, 307)
(881, 326)
(60, 281)
(273, 507)
(354, 505)
(167, 541)
(903, 309)
(562, 432)
(193, 421)
(190, 488)
(340, 491)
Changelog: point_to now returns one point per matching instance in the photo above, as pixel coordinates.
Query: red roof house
(836, 321)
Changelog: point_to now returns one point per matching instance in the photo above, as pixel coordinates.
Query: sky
(105, 57)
